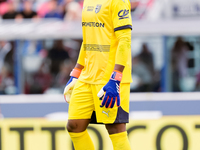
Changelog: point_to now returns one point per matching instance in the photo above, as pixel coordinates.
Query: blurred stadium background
(39, 45)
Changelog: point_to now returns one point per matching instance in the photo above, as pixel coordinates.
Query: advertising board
(166, 133)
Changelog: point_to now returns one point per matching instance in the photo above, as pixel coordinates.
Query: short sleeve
(121, 14)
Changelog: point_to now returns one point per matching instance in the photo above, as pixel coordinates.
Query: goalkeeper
(99, 88)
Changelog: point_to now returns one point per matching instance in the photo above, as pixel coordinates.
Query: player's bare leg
(116, 128)
(118, 136)
(77, 125)
(79, 135)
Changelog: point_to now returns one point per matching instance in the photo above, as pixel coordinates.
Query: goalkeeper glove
(75, 73)
(112, 89)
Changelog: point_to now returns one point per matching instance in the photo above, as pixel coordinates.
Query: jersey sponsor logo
(123, 14)
(92, 24)
(98, 8)
(90, 8)
(96, 47)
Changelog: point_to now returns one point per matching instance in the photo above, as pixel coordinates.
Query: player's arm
(119, 68)
(112, 88)
(124, 46)
(81, 58)
(75, 73)
(79, 66)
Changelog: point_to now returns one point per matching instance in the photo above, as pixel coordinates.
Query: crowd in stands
(67, 10)
(6, 67)
(28, 9)
(45, 65)
(52, 64)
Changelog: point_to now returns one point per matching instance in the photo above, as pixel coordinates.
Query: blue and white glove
(112, 91)
(71, 83)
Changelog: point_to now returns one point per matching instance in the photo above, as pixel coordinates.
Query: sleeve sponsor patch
(123, 14)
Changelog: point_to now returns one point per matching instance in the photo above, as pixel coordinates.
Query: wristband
(116, 75)
(75, 72)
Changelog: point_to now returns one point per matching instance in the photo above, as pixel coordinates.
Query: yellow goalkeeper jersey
(100, 20)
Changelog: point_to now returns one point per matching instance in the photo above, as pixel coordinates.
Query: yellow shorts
(84, 104)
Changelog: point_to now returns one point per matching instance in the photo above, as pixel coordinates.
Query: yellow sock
(82, 140)
(120, 141)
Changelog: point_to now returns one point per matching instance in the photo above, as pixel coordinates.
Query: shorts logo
(97, 9)
(123, 14)
(106, 113)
